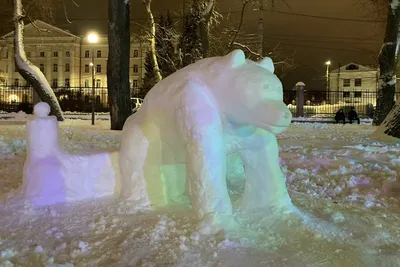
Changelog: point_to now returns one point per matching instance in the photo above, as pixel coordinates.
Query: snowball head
(41, 109)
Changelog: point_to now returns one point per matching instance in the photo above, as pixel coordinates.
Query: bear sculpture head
(250, 94)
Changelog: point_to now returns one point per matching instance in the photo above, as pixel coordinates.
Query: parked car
(136, 103)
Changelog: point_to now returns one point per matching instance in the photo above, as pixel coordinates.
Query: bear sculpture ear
(236, 58)
(267, 64)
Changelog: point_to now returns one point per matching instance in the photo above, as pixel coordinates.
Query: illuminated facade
(65, 59)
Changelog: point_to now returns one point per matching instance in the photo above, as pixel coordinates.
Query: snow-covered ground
(343, 182)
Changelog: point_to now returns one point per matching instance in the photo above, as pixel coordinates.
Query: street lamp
(328, 63)
(93, 38)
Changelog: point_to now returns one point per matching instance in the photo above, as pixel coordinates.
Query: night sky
(315, 31)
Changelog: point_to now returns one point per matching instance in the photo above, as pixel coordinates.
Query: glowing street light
(93, 38)
(328, 63)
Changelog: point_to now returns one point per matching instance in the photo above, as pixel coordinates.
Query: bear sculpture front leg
(201, 129)
(265, 185)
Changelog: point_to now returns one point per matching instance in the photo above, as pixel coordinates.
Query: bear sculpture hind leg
(265, 185)
(139, 160)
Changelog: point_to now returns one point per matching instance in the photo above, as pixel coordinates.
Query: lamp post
(328, 63)
(93, 38)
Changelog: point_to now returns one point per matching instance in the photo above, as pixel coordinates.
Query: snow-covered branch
(157, 72)
(28, 71)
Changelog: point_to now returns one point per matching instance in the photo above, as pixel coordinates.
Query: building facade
(353, 83)
(65, 59)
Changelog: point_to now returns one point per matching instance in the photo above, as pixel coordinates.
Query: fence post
(35, 97)
(300, 88)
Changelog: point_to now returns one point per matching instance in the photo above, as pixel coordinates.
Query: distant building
(353, 83)
(65, 59)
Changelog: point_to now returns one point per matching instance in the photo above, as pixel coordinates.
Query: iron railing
(318, 104)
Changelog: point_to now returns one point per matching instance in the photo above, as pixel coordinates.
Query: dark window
(135, 84)
(87, 54)
(55, 54)
(55, 67)
(346, 94)
(98, 68)
(41, 67)
(357, 94)
(98, 83)
(98, 99)
(98, 53)
(66, 82)
(352, 67)
(67, 53)
(55, 83)
(135, 68)
(346, 82)
(86, 67)
(41, 54)
(357, 82)
(67, 67)
(135, 53)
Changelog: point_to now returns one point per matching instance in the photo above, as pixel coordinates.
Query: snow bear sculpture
(192, 120)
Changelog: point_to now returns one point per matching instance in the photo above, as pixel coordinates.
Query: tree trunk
(28, 71)
(387, 64)
(204, 25)
(261, 29)
(391, 125)
(157, 72)
(118, 62)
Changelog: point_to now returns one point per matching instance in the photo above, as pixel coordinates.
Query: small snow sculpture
(188, 125)
(41, 109)
(53, 176)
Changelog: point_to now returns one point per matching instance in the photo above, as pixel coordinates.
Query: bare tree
(255, 50)
(391, 125)
(152, 25)
(387, 63)
(28, 71)
(207, 8)
(118, 62)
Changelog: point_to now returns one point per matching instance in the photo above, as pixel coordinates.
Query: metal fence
(322, 104)
(318, 104)
(72, 99)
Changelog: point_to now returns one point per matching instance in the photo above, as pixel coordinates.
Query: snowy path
(333, 172)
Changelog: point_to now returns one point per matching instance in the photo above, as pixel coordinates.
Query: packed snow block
(179, 140)
(53, 176)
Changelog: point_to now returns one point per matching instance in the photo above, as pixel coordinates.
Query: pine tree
(190, 42)
(149, 77)
(165, 45)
